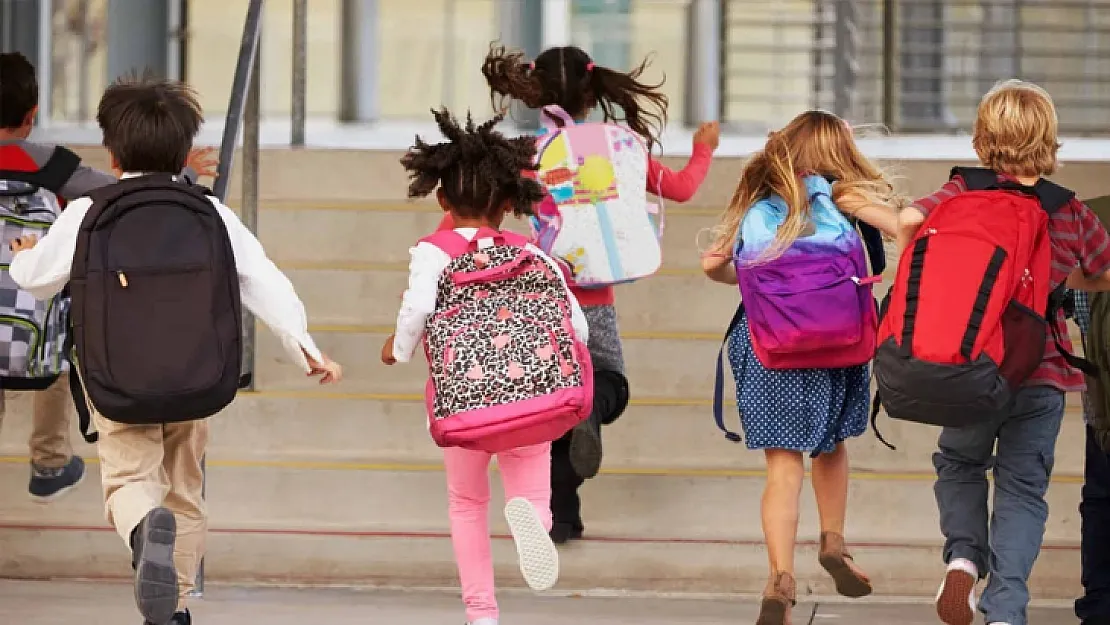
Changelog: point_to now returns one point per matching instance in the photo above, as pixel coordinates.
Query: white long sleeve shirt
(419, 301)
(265, 291)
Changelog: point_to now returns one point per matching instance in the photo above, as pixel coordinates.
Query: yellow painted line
(646, 402)
(416, 397)
(423, 206)
(405, 467)
(644, 335)
(355, 265)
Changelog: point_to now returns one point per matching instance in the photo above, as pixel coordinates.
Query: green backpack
(1097, 347)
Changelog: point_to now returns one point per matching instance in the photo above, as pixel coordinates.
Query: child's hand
(387, 351)
(204, 161)
(708, 133)
(23, 243)
(330, 370)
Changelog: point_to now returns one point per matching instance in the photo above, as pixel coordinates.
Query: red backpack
(964, 324)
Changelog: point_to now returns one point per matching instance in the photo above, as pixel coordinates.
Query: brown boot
(835, 559)
(778, 598)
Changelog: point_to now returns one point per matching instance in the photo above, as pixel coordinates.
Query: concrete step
(674, 439)
(315, 175)
(421, 560)
(658, 365)
(337, 293)
(391, 518)
(385, 232)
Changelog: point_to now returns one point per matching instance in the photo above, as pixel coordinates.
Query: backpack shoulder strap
(976, 178)
(452, 243)
(719, 380)
(1051, 196)
(53, 175)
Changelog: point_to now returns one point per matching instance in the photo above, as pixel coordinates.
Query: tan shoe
(778, 599)
(835, 559)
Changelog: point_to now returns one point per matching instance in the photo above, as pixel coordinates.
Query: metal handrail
(243, 109)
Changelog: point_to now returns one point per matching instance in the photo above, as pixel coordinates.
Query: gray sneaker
(49, 484)
(585, 448)
(155, 575)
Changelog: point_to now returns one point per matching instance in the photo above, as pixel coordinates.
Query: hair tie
(590, 66)
(532, 66)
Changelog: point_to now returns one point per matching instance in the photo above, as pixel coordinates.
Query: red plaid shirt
(1078, 240)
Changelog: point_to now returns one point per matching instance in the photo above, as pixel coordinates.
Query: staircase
(342, 485)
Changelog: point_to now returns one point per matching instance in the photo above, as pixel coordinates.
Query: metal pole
(847, 65)
(248, 53)
(704, 51)
(249, 209)
(359, 97)
(84, 50)
(555, 23)
(300, 53)
(449, 60)
(175, 41)
(6, 26)
(246, 78)
(46, 62)
(889, 61)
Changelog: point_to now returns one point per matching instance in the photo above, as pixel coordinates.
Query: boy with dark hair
(1015, 137)
(55, 470)
(144, 349)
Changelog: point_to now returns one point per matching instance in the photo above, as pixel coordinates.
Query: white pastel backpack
(596, 217)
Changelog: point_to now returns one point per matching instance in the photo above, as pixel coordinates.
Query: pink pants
(525, 472)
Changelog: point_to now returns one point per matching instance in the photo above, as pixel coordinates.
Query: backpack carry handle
(508, 270)
(554, 117)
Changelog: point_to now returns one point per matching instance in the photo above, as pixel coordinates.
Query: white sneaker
(997, 623)
(539, 560)
(956, 598)
(483, 621)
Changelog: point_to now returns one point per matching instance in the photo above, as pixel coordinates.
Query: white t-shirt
(419, 300)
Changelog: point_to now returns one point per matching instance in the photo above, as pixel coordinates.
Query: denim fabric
(1004, 543)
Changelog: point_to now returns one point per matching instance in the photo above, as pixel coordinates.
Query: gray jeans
(1006, 551)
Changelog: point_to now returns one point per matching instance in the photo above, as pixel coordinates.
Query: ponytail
(642, 106)
(567, 77)
(510, 77)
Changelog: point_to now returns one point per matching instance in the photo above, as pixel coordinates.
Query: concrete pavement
(67, 603)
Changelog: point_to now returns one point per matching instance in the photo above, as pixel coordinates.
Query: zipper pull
(122, 279)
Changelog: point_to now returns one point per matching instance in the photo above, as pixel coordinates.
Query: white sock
(965, 565)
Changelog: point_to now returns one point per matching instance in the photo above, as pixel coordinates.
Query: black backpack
(157, 321)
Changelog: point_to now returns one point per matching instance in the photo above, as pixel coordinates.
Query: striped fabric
(1078, 239)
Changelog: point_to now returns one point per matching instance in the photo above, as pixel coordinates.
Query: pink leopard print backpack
(506, 368)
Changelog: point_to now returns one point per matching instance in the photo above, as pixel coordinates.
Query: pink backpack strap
(452, 243)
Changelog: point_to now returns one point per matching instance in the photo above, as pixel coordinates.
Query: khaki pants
(143, 467)
(50, 422)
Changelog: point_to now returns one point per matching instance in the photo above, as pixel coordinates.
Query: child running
(59, 176)
(568, 77)
(478, 174)
(162, 328)
(781, 211)
(1015, 138)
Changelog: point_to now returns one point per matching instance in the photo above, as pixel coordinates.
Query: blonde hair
(815, 142)
(1015, 130)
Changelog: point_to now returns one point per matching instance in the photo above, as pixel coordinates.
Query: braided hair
(478, 168)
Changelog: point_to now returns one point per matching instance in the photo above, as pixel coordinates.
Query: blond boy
(1015, 136)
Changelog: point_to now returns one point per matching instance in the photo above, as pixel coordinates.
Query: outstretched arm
(680, 186)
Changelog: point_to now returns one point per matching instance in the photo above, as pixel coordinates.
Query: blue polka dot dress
(803, 410)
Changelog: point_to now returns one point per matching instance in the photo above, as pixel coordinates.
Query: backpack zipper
(121, 274)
